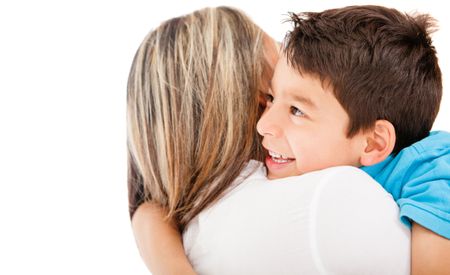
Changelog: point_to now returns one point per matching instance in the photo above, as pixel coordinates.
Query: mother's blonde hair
(192, 109)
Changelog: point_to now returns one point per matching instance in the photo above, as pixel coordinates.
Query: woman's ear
(380, 142)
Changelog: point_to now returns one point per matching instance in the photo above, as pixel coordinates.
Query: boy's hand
(430, 252)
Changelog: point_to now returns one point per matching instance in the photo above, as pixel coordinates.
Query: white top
(334, 221)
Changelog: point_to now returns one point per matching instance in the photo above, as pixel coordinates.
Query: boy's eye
(268, 97)
(296, 112)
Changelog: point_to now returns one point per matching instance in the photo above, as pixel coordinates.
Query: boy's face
(304, 127)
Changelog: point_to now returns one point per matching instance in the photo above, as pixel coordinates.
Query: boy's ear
(380, 142)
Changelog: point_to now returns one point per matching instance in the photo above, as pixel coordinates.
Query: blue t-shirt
(418, 178)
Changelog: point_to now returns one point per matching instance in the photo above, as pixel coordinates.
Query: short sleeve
(418, 178)
(425, 197)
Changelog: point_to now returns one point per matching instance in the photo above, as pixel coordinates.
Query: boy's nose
(269, 123)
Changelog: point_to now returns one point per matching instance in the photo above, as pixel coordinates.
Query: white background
(63, 73)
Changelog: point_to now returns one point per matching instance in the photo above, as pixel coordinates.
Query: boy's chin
(271, 175)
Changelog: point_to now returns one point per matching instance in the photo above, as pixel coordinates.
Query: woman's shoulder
(342, 176)
(323, 220)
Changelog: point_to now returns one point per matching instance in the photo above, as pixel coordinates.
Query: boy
(354, 87)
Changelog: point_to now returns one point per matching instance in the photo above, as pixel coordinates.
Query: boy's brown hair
(380, 63)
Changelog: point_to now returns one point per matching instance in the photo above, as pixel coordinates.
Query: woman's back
(334, 221)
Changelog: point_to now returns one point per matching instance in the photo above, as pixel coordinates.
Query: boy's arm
(430, 252)
(159, 241)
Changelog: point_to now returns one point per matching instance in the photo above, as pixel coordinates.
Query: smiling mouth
(278, 158)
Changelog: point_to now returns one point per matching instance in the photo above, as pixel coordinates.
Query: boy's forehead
(291, 84)
(285, 76)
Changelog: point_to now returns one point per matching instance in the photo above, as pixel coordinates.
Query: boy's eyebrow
(304, 100)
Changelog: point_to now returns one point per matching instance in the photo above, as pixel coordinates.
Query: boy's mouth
(277, 164)
(278, 158)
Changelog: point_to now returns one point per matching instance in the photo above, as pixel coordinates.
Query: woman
(186, 139)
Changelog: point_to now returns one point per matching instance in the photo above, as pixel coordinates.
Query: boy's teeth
(279, 160)
(275, 155)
